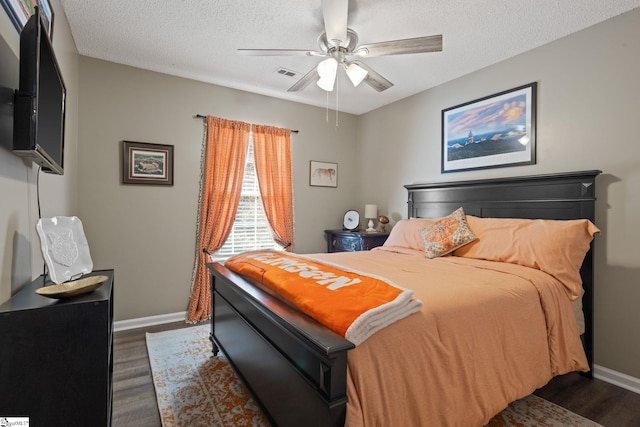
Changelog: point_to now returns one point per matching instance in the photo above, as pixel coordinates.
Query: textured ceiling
(197, 39)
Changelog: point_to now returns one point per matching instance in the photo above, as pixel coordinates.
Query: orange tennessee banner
(334, 297)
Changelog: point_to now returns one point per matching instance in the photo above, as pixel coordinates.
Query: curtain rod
(200, 116)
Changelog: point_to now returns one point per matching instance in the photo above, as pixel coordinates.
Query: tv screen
(39, 112)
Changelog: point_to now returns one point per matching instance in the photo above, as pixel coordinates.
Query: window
(251, 230)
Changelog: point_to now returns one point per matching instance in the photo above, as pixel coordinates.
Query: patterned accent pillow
(446, 235)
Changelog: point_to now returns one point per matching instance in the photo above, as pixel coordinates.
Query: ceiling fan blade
(373, 78)
(304, 81)
(400, 47)
(279, 52)
(335, 14)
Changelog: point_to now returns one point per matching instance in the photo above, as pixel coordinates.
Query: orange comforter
(488, 333)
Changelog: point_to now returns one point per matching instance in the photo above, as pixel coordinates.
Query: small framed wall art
(495, 131)
(323, 174)
(144, 163)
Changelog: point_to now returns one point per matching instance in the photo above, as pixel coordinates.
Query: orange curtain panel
(220, 187)
(272, 148)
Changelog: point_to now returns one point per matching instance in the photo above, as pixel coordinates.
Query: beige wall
(588, 108)
(20, 255)
(147, 233)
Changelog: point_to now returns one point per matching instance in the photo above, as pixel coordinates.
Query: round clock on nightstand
(351, 220)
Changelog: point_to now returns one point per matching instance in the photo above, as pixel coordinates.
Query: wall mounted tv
(39, 109)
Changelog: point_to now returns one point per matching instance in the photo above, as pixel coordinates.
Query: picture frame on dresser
(495, 131)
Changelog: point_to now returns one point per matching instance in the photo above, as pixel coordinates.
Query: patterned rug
(195, 389)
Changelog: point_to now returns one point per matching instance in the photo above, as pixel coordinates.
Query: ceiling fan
(339, 44)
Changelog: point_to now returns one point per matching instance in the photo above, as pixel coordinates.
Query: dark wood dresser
(56, 356)
(352, 241)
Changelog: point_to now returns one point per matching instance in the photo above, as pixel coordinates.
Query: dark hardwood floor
(134, 400)
(604, 403)
(134, 397)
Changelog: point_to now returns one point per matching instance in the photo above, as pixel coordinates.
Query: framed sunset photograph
(495, 131)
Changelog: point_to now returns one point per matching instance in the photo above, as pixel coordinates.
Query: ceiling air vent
(286, 72)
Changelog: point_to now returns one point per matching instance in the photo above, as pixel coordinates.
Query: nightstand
(352, 241)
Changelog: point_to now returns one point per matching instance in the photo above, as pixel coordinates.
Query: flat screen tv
(39, 109)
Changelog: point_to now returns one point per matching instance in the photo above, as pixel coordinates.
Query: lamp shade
(356, 74)
(370, 211)
(327, 70)
(326, 84)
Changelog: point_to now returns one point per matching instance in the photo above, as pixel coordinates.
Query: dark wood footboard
(295, 367)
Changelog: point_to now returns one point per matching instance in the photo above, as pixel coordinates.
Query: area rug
(194, 388)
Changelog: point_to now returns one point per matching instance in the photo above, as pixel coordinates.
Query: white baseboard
(617, 378)
(141, 322)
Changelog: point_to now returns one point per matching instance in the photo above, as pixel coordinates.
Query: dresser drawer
(352, 241)
(346, 243)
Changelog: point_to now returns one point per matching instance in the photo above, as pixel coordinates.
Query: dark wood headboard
(555, 196)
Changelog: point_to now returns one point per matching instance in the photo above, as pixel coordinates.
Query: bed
(302, 373)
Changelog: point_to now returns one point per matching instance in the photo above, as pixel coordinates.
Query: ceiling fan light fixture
(338, 44)
(327, 70)
(356, 74)
(325, 84)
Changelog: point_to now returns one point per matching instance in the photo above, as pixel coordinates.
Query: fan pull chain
(327, 108)
(337, 95)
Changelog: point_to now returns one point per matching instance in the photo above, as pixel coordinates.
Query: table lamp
(370, 212)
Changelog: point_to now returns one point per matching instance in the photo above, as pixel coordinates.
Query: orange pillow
(556, 247)
(446, 235)
(406, 233)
